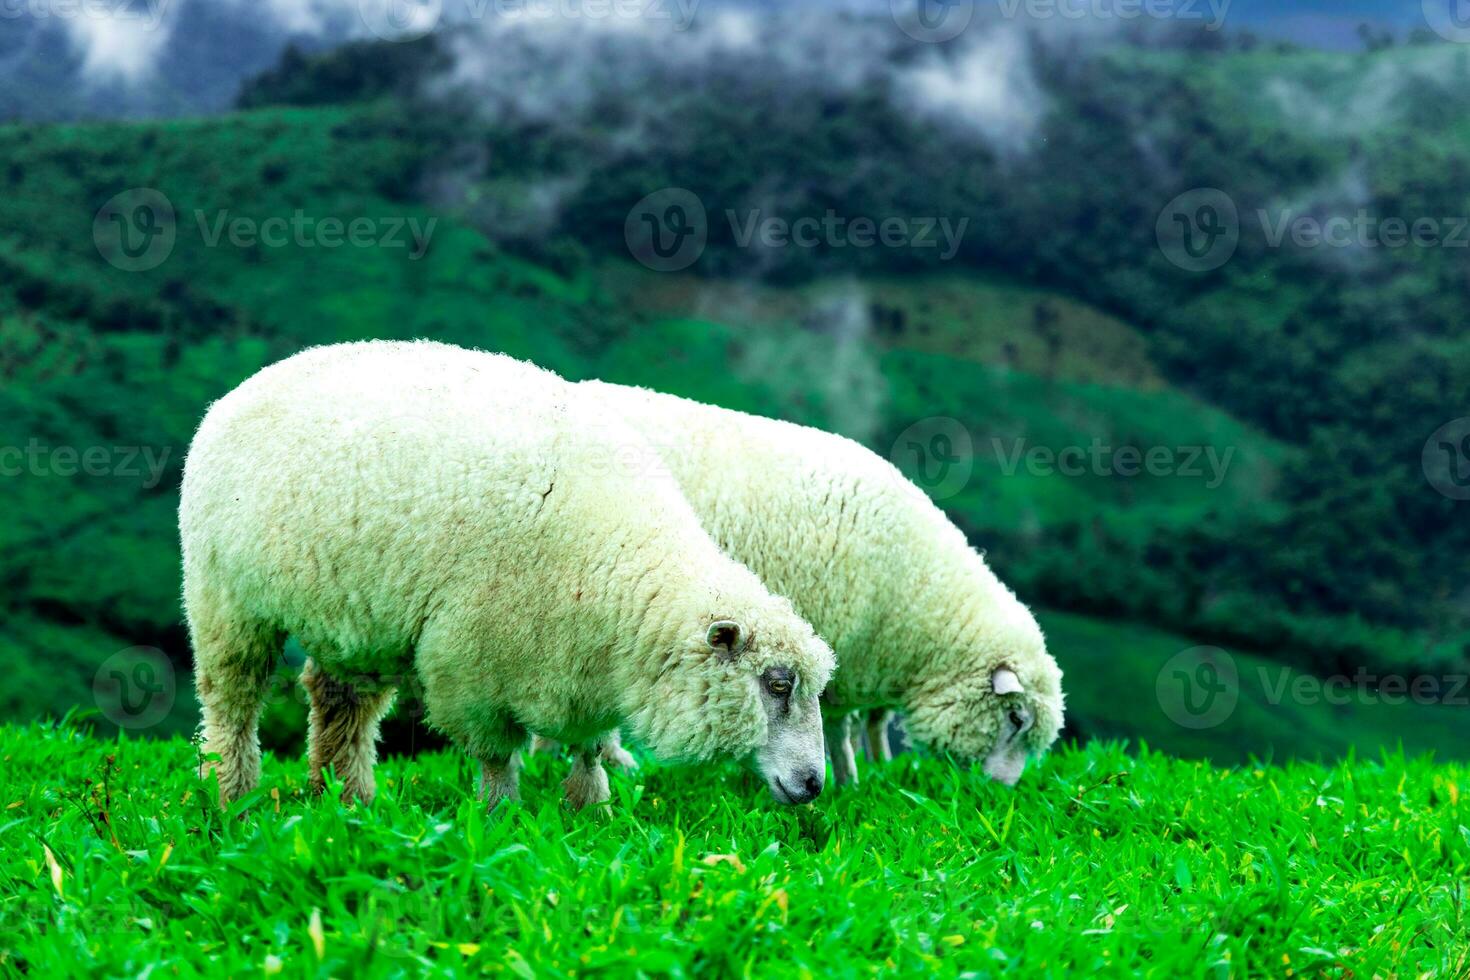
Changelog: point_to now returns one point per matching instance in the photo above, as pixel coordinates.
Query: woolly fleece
(420, 512)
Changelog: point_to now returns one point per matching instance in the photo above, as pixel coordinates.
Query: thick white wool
(414, 512)
(916, 618)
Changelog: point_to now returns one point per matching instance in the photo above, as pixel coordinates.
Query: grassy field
(111, 860)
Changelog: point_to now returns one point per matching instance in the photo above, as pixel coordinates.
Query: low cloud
(989, 89)
(119, 44)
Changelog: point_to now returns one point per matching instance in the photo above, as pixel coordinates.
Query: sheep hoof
(587, 785)
(353, 796)
(492, 797)
(498, 782)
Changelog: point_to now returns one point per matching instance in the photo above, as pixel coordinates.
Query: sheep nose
(811, 787)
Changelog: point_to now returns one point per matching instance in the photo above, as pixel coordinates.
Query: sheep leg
(499, 780)
(233, 661)
(839, 745)
(614, 755)
(856, 730)
(342, 732)
(491, 738)
(879, 749)
(587, 782)
(541, 745)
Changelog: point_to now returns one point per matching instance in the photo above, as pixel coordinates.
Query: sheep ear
(1005, 681)
(725, 638)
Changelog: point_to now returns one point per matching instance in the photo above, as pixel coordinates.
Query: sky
(1328, 23)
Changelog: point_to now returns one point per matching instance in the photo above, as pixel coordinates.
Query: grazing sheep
(415, 512)
(918, 621)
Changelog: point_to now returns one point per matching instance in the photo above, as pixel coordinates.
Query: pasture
(113, 862)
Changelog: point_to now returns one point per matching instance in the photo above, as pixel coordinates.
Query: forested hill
(1346, 347)
(1315, 375)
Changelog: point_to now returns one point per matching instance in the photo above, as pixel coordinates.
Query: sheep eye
(1017, 721)
(779, 683)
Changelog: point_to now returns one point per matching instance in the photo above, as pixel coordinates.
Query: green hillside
(1007, 412)
(1117, 683)
(100, 356)
(961, 315)
(1028, 371)
(96, 357)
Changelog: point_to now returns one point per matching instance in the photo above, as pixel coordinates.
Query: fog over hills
(125, 58)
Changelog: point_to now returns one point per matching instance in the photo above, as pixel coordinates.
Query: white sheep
(419, 513)
(916, 618)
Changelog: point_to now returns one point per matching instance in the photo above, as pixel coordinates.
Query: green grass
(1099, 863)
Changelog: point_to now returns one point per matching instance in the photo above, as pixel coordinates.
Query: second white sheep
(917, 619)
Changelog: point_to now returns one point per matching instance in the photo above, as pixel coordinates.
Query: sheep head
(745, 683)
(999, 712)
